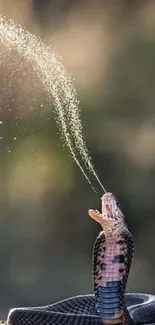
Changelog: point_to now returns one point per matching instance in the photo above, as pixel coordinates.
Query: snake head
(111, 218)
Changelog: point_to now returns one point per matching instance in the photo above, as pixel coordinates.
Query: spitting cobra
(112, 257)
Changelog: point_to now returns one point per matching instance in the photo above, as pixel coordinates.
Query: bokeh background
(46, 236)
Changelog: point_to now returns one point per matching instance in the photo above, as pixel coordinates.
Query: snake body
(112, 257)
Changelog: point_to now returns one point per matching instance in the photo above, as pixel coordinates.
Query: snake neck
(112, 258)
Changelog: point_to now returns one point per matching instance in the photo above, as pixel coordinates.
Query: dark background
(46, 236)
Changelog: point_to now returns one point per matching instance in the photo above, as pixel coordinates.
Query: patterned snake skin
(112, 257)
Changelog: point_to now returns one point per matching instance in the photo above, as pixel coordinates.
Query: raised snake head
(111, 218)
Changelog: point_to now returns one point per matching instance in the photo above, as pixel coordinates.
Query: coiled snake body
(112, 257)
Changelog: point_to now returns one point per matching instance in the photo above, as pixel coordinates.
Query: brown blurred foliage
(46, 236)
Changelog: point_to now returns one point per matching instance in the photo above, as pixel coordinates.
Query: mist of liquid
(57, 84)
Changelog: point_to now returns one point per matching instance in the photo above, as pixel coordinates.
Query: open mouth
(111, 214)
(110, 207)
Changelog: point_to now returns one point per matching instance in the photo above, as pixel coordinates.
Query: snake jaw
(105, 223)
(95, 214)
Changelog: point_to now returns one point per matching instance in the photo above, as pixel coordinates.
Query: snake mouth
(107, 224)
(111, 217)
(104, 221)
(111, 207)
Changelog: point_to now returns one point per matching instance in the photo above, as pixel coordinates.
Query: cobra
(112, 257)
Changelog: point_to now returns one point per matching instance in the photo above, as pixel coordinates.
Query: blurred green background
(46, 236)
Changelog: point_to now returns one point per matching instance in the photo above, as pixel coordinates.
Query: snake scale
(112, 257)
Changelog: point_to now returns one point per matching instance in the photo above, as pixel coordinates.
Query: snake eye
(118, 204)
